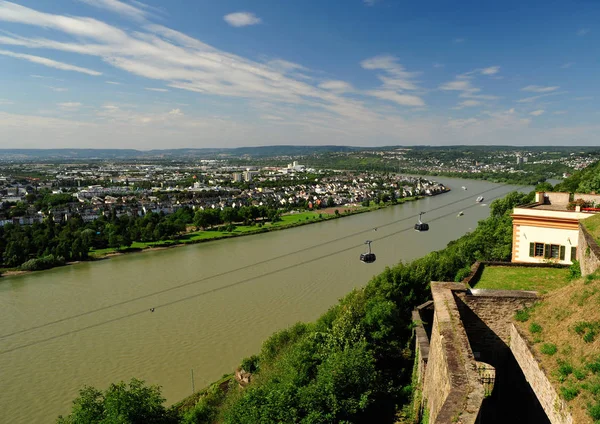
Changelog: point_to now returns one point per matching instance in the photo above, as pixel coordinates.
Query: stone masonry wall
(555, 408)
(452, 391)
(588, 252)
(436, 385)
(485, 310)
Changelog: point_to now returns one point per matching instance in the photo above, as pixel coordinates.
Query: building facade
(547, 230)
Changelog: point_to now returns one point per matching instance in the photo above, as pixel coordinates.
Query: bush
(522, 315)
(45, 262)
(574, 271)
(534, 328)
(580, 374)
(594, 410)
(594, 366)
(565, 369)
(548, 349)
(569, 392)
(250, 364)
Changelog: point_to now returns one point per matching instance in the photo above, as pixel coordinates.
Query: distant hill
(99, 154)
(249, 152)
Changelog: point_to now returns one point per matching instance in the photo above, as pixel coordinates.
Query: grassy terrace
(592, 224)
(564, 333)
(542, 280)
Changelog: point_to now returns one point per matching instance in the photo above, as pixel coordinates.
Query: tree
(330, 202)
(121, 403)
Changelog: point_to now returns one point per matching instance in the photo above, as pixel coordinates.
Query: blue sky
(227, 73)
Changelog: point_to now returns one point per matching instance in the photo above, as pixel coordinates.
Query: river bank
(287, 221)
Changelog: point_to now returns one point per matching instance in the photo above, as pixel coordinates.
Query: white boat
(480, 199)
(461, 213)
(464, 188)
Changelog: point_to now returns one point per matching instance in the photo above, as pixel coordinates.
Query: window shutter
(562, 253)
(573, 253)
(547, 251)
(532, 249)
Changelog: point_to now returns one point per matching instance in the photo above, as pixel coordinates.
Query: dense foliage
(32, 247)
(585, 181)
(133, 403)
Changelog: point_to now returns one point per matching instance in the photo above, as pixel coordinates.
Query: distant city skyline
(159, 75)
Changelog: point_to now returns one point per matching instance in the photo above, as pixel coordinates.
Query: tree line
(49, 243)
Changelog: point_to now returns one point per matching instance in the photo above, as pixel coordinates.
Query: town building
(548, 230)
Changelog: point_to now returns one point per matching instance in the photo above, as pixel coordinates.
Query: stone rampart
(555, 408)
(451, 390)
(588, 252)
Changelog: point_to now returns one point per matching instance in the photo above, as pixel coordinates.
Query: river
(207, 324)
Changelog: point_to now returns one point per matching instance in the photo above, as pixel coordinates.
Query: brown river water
(217, 302)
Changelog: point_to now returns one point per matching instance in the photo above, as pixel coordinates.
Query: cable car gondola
(421, 226)
(368, 257)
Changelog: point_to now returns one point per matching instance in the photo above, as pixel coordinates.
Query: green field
(516, 278)
(592, 224)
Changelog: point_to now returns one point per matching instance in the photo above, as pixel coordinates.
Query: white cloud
(539, 88)
(559, 112)
(242, 19)
(567, 65)
(336, 86)
(492, 70)
(57, 89)
(69, 105)
(469, 103)
(395, 76)
(438, 65)
(583, 31)
(271, 118)
(458, 40)
(49, 62)
(538, 112)
(401, 99)
(113, 82)
(457, 85)
(370, 2)
(582, 98)
(534, 98)
(461, 123)
(160, 90)
(118, 7)
(4, 102)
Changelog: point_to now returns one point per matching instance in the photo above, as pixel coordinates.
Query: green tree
(121, 403)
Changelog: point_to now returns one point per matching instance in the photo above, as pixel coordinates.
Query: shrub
(45, 262)
(548, 349)
(250, 364)
(594, 410)
(522, 315)
(594, 366)
(580, 373)
(574, 271)
(534, 328)
(569, 392)
(564, 369)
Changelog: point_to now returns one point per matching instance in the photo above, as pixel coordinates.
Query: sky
(203, 73)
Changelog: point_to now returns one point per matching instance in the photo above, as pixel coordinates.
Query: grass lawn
(516, 278)
(592, 224)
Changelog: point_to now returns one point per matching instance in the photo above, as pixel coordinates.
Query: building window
(539, 249)
(554, 251)
(573, 253)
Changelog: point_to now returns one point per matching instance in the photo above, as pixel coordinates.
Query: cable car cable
(242, 268)
(145, 310)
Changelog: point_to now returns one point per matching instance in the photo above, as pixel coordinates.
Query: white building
(546, 231)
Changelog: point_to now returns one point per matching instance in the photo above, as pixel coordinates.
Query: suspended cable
(237, 283)
(231, 271)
